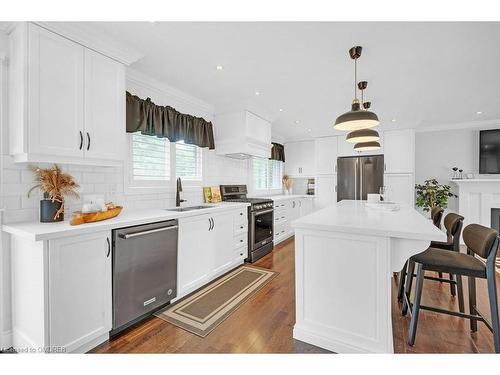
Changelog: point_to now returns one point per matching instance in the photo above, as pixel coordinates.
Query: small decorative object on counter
(454, 175)
(211, 194)
(55, 186)
(310, 186)
(460, 174)
(287, 184)
(110, 212)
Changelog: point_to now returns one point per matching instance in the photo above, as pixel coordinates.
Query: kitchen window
(267, 174)
(150, 160)
(154, 163)
(188, 161)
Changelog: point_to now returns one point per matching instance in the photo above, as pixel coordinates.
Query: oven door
(261, 232)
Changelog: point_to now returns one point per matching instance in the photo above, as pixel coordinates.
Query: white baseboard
(316, 339)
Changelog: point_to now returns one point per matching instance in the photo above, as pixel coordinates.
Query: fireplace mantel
(476, 198)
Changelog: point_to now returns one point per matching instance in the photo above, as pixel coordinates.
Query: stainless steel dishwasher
(144, 271)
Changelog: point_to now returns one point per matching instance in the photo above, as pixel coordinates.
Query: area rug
(202, 311)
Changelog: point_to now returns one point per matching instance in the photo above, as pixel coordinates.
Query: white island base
(344, 259)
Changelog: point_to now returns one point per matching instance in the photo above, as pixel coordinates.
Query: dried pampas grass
(56, 184)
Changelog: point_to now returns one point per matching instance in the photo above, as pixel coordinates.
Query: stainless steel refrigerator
(358, 176)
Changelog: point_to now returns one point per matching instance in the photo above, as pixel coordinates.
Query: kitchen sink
(192, 208)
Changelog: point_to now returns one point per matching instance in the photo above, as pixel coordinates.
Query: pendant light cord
(355, 78)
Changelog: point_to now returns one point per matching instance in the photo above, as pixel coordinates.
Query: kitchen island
(345, 256)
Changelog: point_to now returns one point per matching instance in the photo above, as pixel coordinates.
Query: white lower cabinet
(80, 300)
(196, 246)
(285, 211)
(210, 245)
(61, 292)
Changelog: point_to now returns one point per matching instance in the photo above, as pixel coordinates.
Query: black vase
(48, 210)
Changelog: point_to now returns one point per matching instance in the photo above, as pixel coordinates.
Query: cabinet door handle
(241, 240)
(335, 168)
(241, 227)
(385, 167)
(81, 140)
(109, 247)
(88, 141)
(209, 224)
(300, 203)
(213, 223)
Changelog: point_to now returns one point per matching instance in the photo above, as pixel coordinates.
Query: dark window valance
(277, 152)
(165, 122)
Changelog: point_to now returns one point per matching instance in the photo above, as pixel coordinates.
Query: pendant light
(356, 118)
(367, 146)
(363, 135)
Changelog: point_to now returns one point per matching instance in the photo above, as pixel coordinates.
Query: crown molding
(153, 84)
(486, 124)
(89, 37)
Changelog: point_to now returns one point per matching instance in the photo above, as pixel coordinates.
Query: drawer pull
(241, 227)
(241, 213)
(241, 240)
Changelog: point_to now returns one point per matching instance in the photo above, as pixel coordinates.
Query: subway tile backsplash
(17, 179)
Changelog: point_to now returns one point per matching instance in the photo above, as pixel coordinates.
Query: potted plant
(55, 186)
(287, 183)
(431, 193)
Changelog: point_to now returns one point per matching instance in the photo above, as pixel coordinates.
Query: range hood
(242, 135)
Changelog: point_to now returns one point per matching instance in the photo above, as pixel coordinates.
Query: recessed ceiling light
(308, 130)
(257, 93)
(297, 121)
(393, 120)
(281, 109)
(219, 67)
(479, 113)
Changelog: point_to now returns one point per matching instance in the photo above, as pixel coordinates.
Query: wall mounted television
(489, 151)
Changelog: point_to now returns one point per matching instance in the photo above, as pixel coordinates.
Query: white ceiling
(421, 74)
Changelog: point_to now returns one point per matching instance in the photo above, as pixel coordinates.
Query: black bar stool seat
(439, 260)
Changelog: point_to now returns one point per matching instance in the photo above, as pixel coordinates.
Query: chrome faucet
(178, 199)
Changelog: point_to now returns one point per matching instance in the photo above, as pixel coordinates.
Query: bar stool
(453, 224)
(481, 241)
(436, 215)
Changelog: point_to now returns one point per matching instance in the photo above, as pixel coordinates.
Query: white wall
(437, 152)
(16, 179)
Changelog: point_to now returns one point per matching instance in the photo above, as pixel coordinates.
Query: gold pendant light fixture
(359, 119)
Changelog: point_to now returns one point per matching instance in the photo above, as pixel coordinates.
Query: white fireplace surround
(476, 198)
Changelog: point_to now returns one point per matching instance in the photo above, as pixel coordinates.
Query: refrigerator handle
(356, 180)
(360, 180)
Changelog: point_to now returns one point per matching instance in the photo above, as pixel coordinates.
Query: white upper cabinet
(55, 78)
(326, 151)
(300, 159)
(67, 102)
(399, 151)
(104, 107)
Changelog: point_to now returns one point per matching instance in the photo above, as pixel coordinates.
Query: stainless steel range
(260, 220)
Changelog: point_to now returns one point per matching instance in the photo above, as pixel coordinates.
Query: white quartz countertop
(353, 217)
(37, 231)
(285, 196)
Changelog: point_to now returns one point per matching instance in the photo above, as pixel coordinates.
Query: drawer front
(240, 228)
(241, 253)
(241, 216)
(280, 205)
(240, 240)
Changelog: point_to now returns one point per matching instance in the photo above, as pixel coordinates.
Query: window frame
(132, 186)
(268, 190)
(188, 181)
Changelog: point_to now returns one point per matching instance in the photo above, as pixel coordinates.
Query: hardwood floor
(264, 323)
